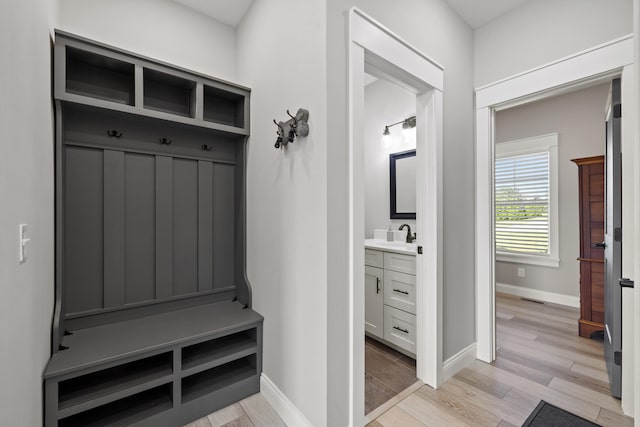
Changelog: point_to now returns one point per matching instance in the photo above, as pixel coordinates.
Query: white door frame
(593, 65)
(370, 44)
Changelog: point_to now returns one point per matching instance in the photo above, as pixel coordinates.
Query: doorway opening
(377, 51)
(390, 233)
(548, 253)
(583, 71)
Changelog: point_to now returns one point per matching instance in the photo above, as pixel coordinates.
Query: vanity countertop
(397, 247)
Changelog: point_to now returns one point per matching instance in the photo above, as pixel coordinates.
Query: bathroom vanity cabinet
(390, 298)
(152, 321)
(373, 300)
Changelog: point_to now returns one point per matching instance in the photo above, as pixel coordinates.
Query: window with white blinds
(522, 196)
(526, 201)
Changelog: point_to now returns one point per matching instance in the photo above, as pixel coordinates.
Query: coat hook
(280, 133)
(114, 133)
(295, 120)
(206, 147)
(280, 129)
(292, 128)
(165, 141)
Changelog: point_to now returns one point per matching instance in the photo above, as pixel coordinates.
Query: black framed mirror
(402, 174)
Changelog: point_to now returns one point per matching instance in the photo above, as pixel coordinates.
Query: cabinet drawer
(400, 263)
(373, 258)
(400, 290)
(400, 328)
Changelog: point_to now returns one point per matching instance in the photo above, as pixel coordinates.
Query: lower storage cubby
(165, 370)
(212, 380)
(125, 411)
(108, 381)
(219, 348)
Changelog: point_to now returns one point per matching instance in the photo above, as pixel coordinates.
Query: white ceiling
(229, 12)
(475, 12)
(478, 12)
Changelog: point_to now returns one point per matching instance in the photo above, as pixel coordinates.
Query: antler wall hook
(296, 126)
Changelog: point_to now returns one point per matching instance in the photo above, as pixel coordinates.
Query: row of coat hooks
(296, 126)
(163, 141)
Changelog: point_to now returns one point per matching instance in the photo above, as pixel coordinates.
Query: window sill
(544, 261)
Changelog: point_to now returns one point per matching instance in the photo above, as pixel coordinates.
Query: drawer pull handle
(114, 133)
(377, 285)
(406, 331)
(165, 141)
(206, 147)
(401, 292)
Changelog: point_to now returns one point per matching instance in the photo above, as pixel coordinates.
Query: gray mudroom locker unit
(153, 322)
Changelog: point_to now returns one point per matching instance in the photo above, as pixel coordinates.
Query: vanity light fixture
(408, 123)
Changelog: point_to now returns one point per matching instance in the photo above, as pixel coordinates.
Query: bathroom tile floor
(387, 373)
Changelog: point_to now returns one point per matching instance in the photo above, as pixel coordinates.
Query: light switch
(23, 239)
(520, 272)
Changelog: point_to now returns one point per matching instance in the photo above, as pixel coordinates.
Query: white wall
(26, 196)
(541, 31)
(578, 119)
(160, 29)
(384, 103)
(434, 28)
(281, 56)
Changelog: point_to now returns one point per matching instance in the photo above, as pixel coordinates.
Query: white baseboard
(281, 404)
(458, 361)
(545, 296)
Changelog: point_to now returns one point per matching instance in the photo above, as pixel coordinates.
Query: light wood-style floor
(254, 411)
(539, 356)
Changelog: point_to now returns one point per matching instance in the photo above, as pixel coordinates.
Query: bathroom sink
(403, 245)
(397, 245)
(393, 244)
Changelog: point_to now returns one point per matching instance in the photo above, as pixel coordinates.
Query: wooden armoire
(591, 211)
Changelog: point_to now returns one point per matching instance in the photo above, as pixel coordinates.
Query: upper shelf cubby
(169, 94)
(98, 75)
(223, 107)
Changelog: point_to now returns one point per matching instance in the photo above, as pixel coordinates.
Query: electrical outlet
(520, 272)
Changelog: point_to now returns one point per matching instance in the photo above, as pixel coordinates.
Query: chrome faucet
(410, 237)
